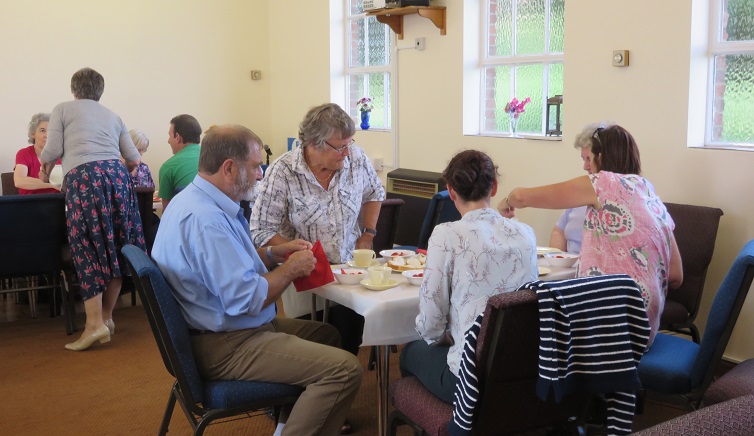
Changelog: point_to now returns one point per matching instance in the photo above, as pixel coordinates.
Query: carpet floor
(121, 387)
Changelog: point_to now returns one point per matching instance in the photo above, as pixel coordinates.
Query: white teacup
(379, 275)
(363, 258)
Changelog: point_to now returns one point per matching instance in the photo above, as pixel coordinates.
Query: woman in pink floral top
(627, 228)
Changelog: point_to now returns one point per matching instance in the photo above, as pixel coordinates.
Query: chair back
(441, 210)
(9, 186)
(387, 224)
(145, 197)
(33, 234)
(168, 325)
(507, 380)
(695, 232)
(723, 315)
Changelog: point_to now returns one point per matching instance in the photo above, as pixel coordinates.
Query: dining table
(390, 319)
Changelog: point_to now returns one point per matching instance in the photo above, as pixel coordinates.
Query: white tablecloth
(390, 316)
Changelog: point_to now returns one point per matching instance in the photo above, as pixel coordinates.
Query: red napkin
(320, 276)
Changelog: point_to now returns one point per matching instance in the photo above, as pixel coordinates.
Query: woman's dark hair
(471, 174)
(87, 84)
(615, 150)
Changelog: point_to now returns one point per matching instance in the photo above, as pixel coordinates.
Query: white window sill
(529, 136)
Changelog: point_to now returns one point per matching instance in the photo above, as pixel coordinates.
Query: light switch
(620, 58)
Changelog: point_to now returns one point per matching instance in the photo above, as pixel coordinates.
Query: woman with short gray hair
(101, 207)
(141, 175)
(566, 235)
(28, 164)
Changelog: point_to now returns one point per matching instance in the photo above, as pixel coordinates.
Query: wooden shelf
(394, 17)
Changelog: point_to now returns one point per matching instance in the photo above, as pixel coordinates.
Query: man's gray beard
(241, 191)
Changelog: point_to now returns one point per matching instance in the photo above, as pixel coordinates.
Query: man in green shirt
(178, 171)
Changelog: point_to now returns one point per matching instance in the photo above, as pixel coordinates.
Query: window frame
(718, 47)
(514, 61)
(350, 72)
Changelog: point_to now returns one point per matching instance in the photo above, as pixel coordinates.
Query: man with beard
(227, 289)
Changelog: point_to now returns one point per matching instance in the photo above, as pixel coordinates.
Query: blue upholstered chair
(440, 210)
(201, 400)
(682, 368)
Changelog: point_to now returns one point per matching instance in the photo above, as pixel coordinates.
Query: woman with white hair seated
(26, 171)
(566, 235)
(141, 175)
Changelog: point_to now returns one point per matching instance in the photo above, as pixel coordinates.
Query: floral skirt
(102, 215)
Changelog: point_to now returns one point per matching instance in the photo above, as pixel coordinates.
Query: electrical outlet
(419, 43)
(378, 164)
(256, 75)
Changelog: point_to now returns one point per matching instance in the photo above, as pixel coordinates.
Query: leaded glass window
(523, 57)
(368, 64)
(731, 79)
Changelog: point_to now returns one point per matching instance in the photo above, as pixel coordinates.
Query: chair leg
(168, 414)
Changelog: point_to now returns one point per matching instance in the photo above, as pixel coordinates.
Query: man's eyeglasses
(343, 148)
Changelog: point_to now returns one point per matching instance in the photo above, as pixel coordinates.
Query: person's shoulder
(24, 151)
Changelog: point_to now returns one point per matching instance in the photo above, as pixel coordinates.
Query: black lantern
(553, 116)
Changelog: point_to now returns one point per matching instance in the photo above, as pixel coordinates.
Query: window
(367, 64)
(731, 83)
(522, 57)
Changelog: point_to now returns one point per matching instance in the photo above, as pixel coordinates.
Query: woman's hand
(45, 170)
(364, 242)
(505, 209)
(445, 340)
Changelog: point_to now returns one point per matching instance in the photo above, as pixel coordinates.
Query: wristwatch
(269, 254)
(372, 232)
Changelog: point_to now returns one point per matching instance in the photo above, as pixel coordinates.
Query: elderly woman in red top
(26, 171)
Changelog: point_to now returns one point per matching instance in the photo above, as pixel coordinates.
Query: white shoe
(110, 326)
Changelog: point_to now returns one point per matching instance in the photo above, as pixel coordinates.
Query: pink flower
(515, 108)
(364, 104)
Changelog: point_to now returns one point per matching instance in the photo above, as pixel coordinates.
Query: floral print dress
(102, 215)
(630, 233)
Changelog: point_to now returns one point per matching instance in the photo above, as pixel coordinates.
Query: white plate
(390, 284)
(352, 264)
(544, 271)
(542, 250)
(390, 254)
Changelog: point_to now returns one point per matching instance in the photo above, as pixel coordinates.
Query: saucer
(544, 271)
(390, 284)
(542, 250)
(352, 264)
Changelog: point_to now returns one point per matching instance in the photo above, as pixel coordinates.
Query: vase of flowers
(514, 109)
(365, 106)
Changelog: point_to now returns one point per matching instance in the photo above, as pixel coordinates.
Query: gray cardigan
(82, 131)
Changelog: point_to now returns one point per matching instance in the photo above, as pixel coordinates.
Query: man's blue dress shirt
(204, 249)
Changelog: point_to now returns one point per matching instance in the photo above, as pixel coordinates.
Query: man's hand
(300, 264)
(293, 246)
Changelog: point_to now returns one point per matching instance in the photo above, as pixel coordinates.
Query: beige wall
(650, 98)
(194, 56)
(159, 59)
